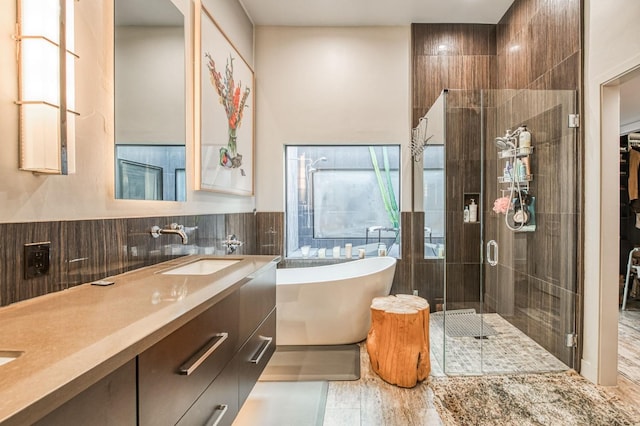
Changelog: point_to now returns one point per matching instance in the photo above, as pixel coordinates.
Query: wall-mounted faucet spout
(173, 228)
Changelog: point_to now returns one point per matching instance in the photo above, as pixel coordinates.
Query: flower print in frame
(226, 113)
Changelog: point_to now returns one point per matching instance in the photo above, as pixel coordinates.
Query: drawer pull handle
(218, 414)
(201, 356)
(266, 341)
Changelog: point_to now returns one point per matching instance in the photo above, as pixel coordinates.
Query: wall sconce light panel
(46, 80)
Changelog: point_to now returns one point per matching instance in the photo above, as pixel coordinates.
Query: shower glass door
(508, 307)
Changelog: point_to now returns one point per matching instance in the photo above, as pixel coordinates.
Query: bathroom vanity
(173, 343)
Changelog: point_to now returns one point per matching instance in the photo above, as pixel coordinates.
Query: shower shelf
(524, 184)
(519, 152)
(525, 181)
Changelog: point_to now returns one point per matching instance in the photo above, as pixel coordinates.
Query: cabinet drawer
(218, 403)
(257, 299)
(255, 354)
(175, 371)
(109, 402)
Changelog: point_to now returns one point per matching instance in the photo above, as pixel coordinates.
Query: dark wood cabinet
(219, 403)
(199, 374)
(257, 300)
(109, 402)
(227, 347)
(203, 347)
(255, 354)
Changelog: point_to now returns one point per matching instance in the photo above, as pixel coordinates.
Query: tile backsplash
(86, 250)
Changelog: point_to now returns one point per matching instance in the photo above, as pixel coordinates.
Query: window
(434, 199)
(342, 194)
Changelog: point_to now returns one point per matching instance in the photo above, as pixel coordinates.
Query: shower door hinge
(571, 340)
(574, 120)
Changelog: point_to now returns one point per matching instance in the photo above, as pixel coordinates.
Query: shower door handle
(493, 261)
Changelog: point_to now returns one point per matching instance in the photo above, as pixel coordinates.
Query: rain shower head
(504, 143)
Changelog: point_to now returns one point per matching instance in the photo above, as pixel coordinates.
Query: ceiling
(373, 12)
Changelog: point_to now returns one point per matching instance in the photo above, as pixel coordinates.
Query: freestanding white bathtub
(330, 305)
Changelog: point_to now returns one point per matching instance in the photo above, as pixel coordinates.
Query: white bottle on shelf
(466, 214)
(524, 140)
(473, 211)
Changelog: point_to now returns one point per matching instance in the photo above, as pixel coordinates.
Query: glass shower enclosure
(500, 229)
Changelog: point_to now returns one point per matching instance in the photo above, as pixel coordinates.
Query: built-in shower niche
(471, 202)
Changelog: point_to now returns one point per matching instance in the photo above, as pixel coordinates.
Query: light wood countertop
(71, 339)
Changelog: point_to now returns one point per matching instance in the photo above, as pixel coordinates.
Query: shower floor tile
(509, 351)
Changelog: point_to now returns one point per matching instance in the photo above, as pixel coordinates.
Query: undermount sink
(202, 267)
(8, 356)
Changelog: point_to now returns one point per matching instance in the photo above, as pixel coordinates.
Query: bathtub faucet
(379, 229)
(173, 228)
(232, 243)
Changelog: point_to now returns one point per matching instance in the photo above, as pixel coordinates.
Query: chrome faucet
(232, 243)
(173, 228)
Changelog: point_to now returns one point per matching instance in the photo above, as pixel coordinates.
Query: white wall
(90, 192)
(337, 85)
(150, 85)
(612, 47)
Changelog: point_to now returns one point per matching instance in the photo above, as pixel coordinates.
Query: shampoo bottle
(522, 171)
(506, 174)
(517, 175)
(473, 211)
(466, 213)
(524, 140)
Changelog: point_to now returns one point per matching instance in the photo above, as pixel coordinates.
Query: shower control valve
(232, 243)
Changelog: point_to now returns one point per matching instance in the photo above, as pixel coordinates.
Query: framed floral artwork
(226, 113)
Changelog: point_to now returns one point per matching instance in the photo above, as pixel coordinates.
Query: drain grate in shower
(462, 323)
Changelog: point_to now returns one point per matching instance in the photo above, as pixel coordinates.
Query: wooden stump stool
(398, 340)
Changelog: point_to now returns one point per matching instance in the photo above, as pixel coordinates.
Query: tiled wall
(454, 56)
(536, 46)
(539, 49)
(85, 250)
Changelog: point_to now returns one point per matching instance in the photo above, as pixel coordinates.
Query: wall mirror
(150, 100)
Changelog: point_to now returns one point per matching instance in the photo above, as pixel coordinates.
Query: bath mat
(284, 403)
(528, 399)
(308, 363)
(462, 323)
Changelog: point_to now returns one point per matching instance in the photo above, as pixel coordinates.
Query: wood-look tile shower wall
(454, 56)
(535, 46)
(539, 47)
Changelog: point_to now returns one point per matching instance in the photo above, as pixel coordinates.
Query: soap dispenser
(473, 211)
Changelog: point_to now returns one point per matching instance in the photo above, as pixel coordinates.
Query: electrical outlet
(36, 259)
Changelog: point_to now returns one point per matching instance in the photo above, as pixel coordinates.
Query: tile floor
(508, 351)
(371, 401)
